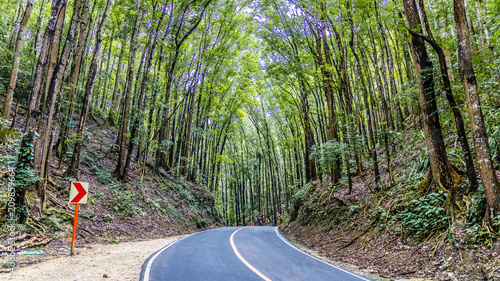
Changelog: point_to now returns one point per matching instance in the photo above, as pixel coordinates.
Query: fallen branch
(406, 273)
(88, 231)
(357, 237)
(31, 242)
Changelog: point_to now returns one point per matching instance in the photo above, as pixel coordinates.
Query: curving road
(238, 253)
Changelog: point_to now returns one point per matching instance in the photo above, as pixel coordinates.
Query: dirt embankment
(372, 249)
(380, 254)
(122, 261)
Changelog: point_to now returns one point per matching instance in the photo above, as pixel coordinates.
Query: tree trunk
(483, 154)
(52, 90)
(60, 146)
(24, 161)
(354, 44)
(34, 105)
(332, 127)
(72, 169)
(122, 142)
(105, 88)
(15, 62)
(462, 136)
(39, 25)
(115, 99)
(442, 172)
(14, 27)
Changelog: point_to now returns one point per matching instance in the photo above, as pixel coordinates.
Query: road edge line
(336, 267)
(231, 240)
(150, 263)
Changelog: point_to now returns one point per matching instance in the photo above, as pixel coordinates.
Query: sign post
(75, 222)
(77, 195)
(280, 219)
(267, 222)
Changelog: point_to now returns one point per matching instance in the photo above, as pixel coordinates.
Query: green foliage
(302, 193)
(5, 130)
(328, 153)
(476, 233)
(496, 222)
(91, 159)
(97, 196)
(107, 218)
(54, 224)
(424, 215)
(124, 203)
(188, 196)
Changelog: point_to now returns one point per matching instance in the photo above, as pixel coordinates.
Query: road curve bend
(239, 253)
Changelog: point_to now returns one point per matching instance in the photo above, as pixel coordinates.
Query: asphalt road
(238, 253)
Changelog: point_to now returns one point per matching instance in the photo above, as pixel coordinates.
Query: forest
(275, 107)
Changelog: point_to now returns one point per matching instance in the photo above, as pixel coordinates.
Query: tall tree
(89, 86)
(483, 154)
(462, 136)
(122, 136)
(443, 174)
(34, 109)
(16, 60)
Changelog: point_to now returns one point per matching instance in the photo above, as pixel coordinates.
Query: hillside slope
(402, 231)
(149, 205)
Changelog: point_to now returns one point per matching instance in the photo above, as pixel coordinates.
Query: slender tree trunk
(17, 58)
(122, 142)
(39, 24)
(15, 26)
(52, 90)
(105, 88)
(24, 161)
(72, 169)
(483, 154)
(328, 81)
(115, 99)
(36, 96)
(60, 146)
(354, 43)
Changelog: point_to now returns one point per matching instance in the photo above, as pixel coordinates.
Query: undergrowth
(407, 208)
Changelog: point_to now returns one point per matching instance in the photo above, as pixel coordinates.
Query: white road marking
(291, 245)
(150, 263)
(243, 260)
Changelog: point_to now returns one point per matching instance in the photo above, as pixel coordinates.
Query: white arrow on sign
(79, 193)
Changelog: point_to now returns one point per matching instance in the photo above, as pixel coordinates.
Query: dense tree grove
(256, 100)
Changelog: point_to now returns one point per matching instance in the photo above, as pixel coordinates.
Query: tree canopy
(259, 100)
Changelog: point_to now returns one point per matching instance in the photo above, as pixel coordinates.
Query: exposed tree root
(54, 200)
(51, 181)
(36, 225)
